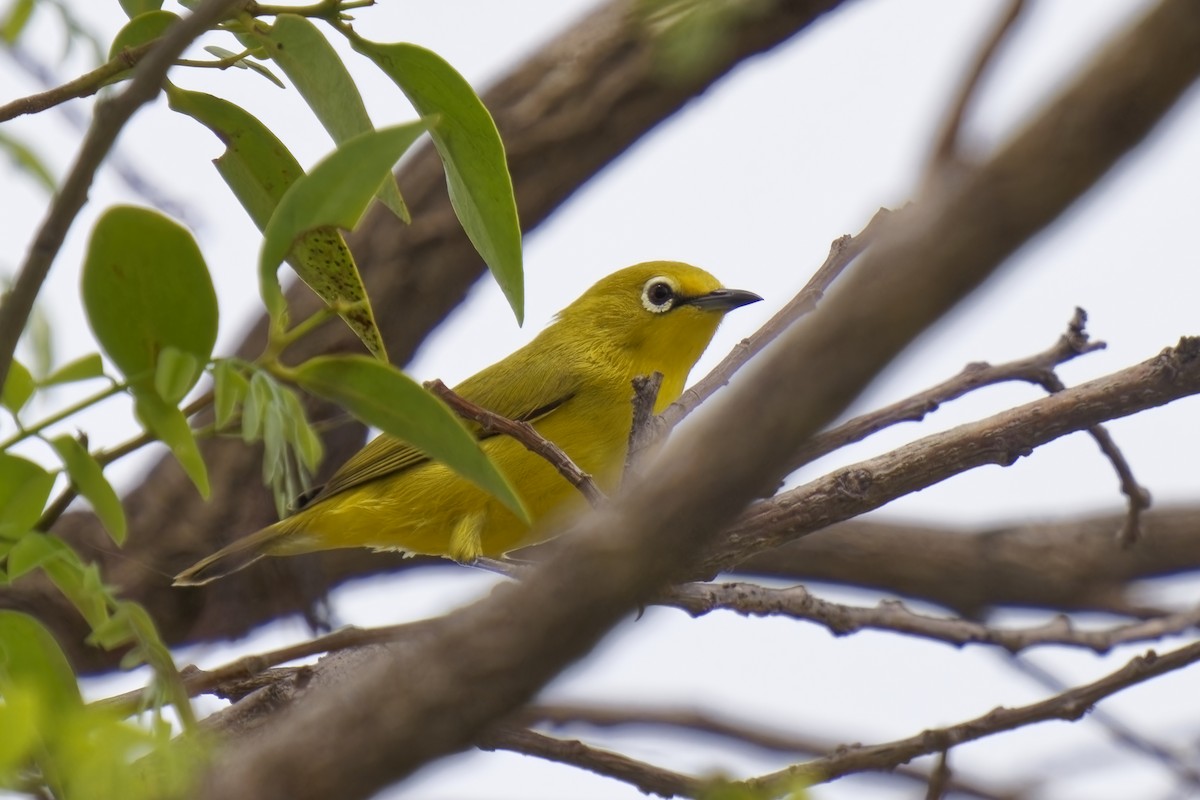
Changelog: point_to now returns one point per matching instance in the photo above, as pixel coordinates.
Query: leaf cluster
(149, 299)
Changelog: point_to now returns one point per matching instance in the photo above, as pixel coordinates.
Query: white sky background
(753, 181)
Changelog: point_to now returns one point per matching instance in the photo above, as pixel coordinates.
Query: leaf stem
(59, 416)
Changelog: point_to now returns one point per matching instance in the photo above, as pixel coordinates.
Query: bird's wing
(521, 387)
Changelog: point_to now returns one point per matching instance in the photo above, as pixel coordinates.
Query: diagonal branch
(362, 731)
(1069, 705)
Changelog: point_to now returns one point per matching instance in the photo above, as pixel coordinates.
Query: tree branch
(1069, 705)
(796, 602)
(619, 555)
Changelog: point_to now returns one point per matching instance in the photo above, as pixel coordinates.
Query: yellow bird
(573, 383)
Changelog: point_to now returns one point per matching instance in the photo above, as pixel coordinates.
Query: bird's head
(660, 314)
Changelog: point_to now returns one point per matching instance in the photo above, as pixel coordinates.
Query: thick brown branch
(1074, 565)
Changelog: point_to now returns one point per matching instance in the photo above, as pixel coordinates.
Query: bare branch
(1069, 705)
(1033, 369)
(842, 252)
(646, 777)
(524, 433)
(797, 602)
(946, 146)
(1069, 565)
(610, 716)
(1121, 732)
(1000, 439)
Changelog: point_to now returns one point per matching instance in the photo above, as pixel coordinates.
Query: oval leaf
(146, 287)
(259, 169)
(18, 387)
(30, 657)
(24, 489)
(335, 193)
(145, 27)
(81, 369)
(317, 72)
(88, 476)
(229, 391)
(171, 427)
(383, 397)
(175, 373)
(473, 154)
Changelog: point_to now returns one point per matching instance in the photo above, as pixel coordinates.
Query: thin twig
(946, 145)
(1119, 730)
(109, 118)
(84, 86)
(1000, 439)
(642, 432)
(843, 250)
(524, 433)
(1069, 705)
(645, 777)
(236, 673)
(611, 716)
(796, 602)
(1033, 369)
(106, 457)
(939, 779)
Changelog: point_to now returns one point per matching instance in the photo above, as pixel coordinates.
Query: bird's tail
(235, 556)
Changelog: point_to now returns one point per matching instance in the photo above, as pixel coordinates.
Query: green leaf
(14, 23)
(35, 550)
(24, 489)
(133, 8)
(466, 138)
(175, 373)
(88, 476)
(22, 723)
(145, 288)
(81, 369)
(29, 161)
(147, 25)
(169, 424)
(229, 390)
(382, 396)
(30, 657)
(314, 67)
(256, 165)
(79, 582)
(258, 403)
(18, 387)
(259, 169)
(334, 195)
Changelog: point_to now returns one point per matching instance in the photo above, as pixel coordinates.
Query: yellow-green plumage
(573, 382)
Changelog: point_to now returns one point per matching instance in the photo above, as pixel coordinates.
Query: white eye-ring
(658, 295)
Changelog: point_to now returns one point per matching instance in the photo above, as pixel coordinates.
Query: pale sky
(752, 181)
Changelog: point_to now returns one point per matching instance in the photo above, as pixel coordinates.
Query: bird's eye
(658, 295)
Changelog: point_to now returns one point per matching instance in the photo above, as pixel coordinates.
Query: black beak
(721, 300)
